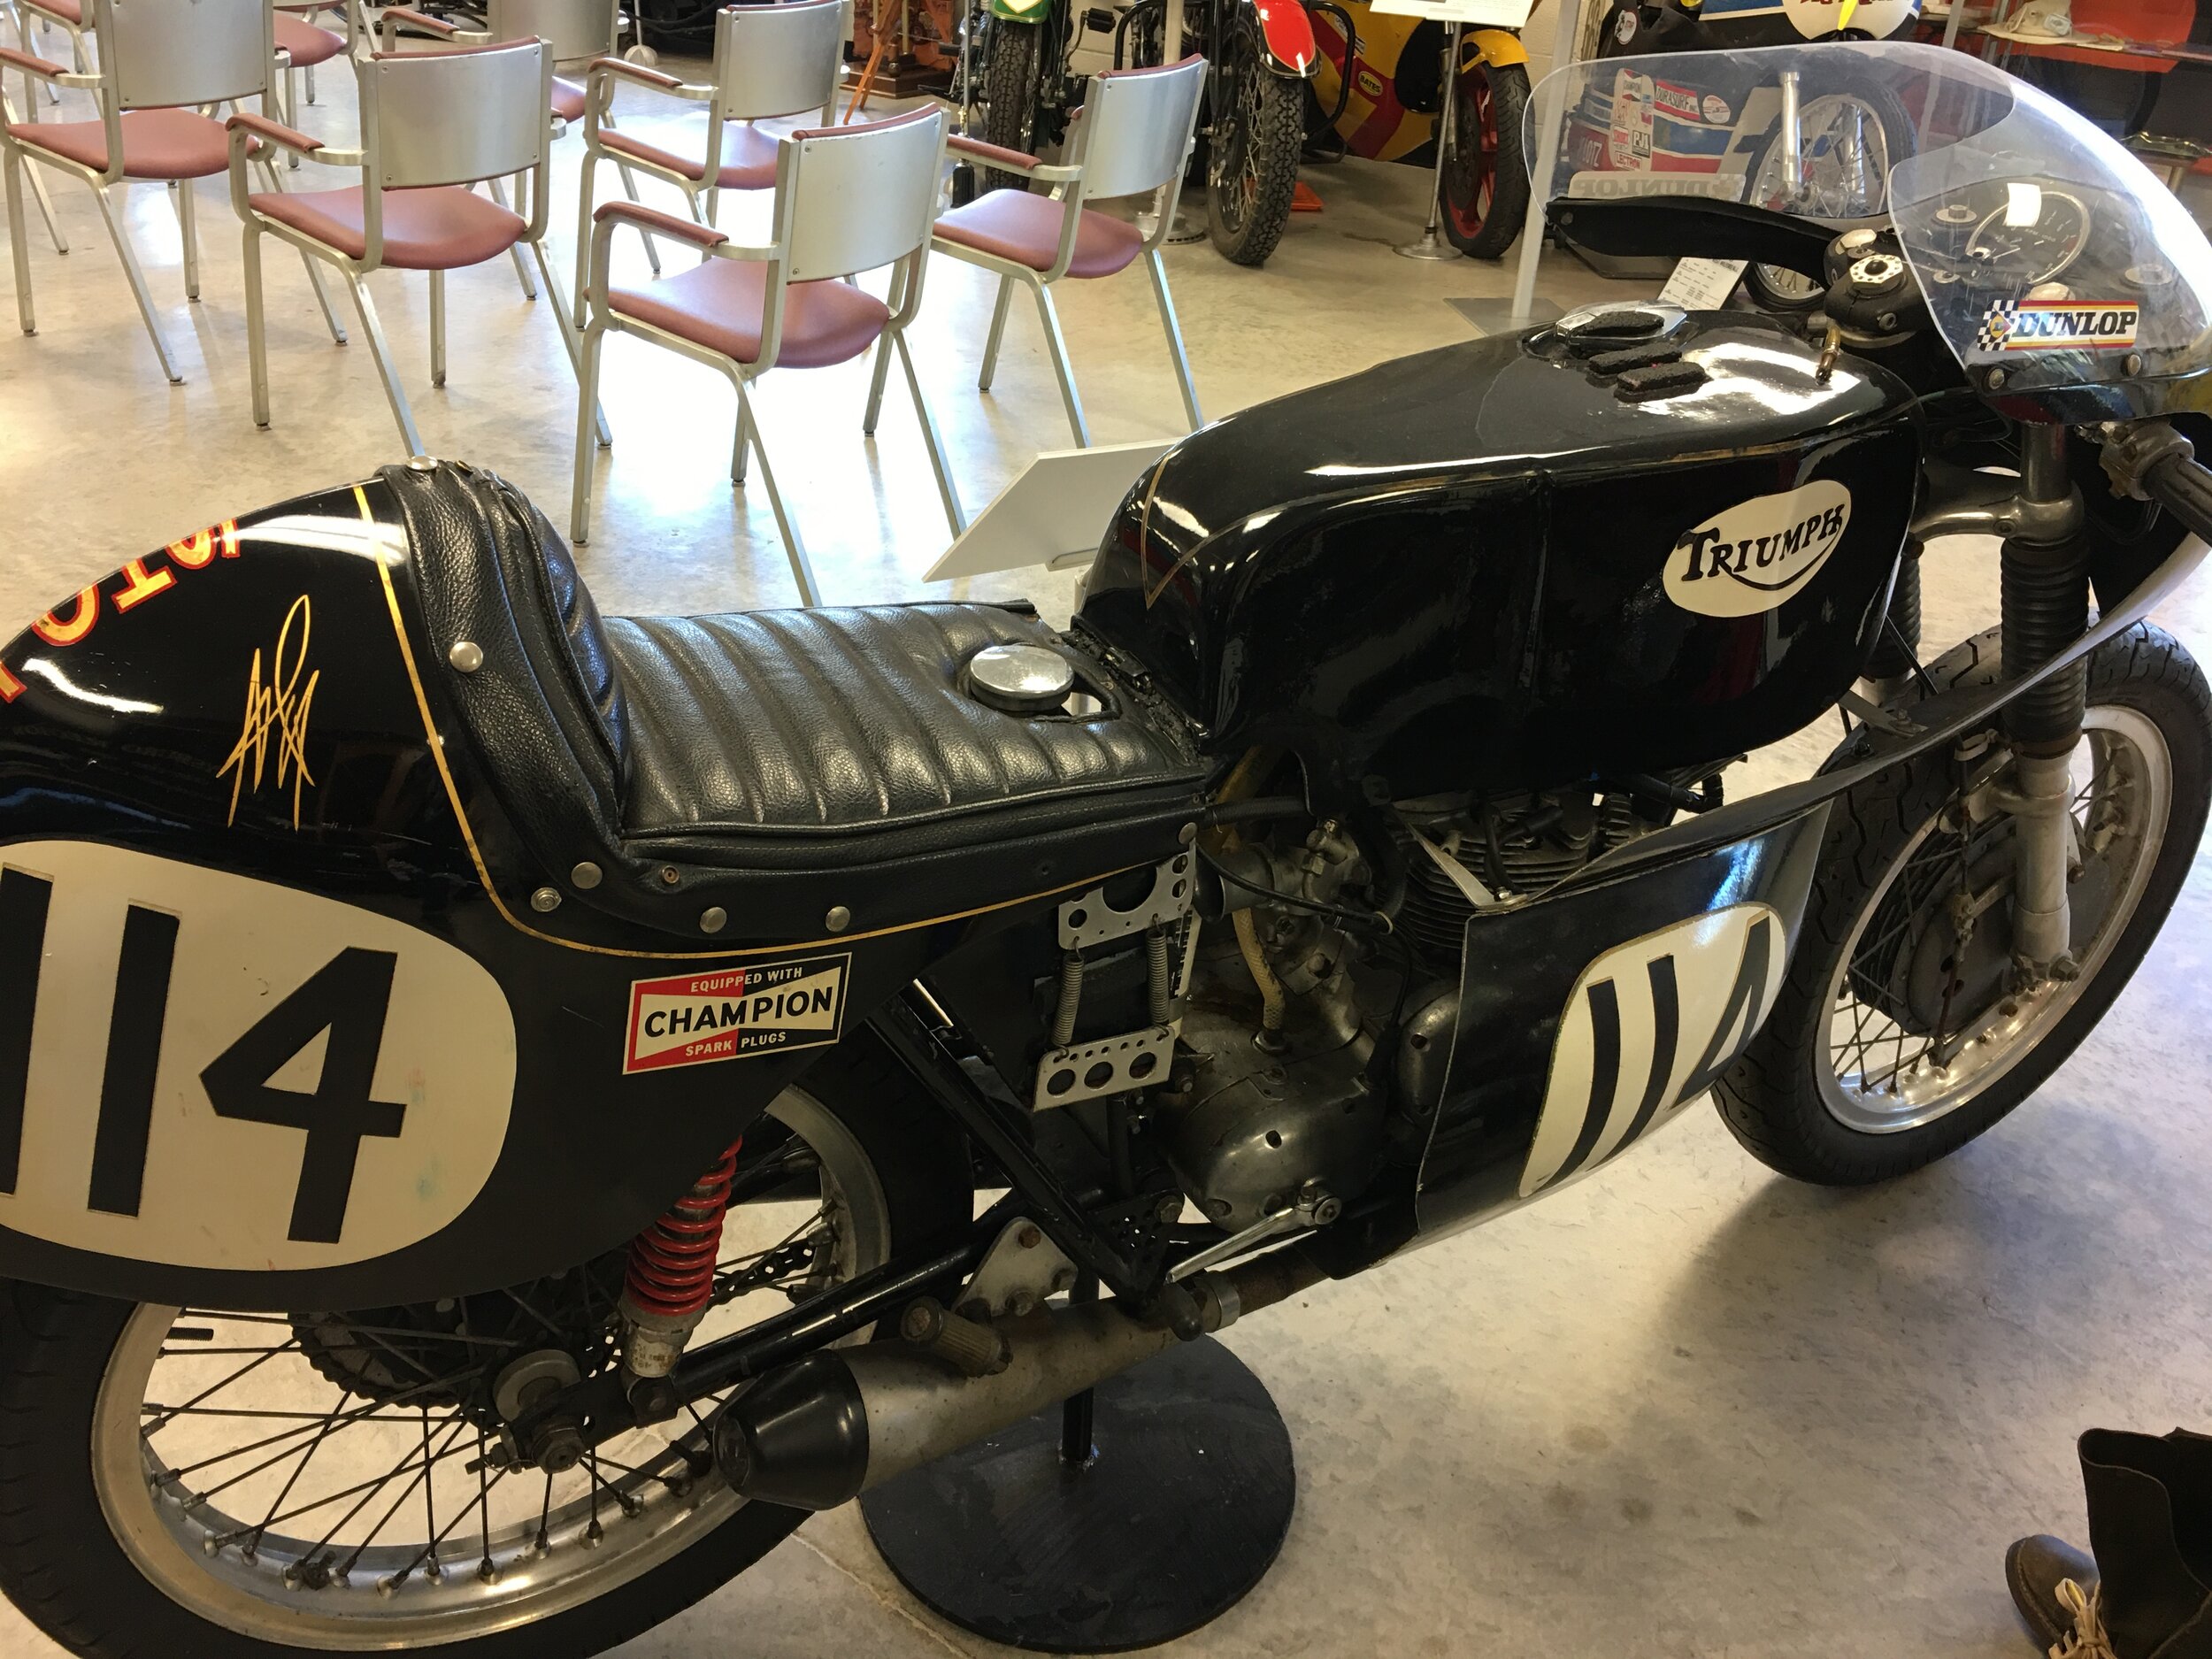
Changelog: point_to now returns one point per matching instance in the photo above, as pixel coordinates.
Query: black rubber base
(1178, 1515)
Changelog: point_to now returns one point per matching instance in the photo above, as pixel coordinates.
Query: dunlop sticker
(728, 1013)
(1756, 555)
(2054, 324)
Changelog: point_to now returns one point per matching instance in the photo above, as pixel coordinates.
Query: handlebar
(2148, 458)
(2184, 489)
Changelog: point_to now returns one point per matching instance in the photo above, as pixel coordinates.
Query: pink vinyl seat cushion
(719, 305)
(749, 158)
(1016, 225)
(157, 143)
(568, 99)
(306, 44)
(440, 229)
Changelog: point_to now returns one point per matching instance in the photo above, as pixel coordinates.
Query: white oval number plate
(1758, 553)
(207, 1071)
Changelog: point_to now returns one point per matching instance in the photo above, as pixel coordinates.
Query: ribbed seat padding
(836, 720)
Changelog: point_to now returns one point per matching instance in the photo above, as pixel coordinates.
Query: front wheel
(233, 1485)
(1252, 162)
(1009, 96)
(1902, 1030)
(1485, 187)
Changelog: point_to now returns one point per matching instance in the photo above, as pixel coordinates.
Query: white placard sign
(1703, 285)
(1480, 14)
(1057, 510)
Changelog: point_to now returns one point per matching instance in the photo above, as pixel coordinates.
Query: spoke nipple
(291, 1577)
(250, 1555)
(433, 1571)
(487, 1572)
(388, 1586)
(210, 1544)
(631, 1507)
(595, 1535)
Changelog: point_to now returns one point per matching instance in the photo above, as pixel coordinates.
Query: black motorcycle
(492, 1097)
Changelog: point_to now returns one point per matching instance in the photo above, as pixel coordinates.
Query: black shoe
(2034, 1569)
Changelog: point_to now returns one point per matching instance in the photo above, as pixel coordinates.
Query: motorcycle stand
(1431, 245)
(1135, 1513)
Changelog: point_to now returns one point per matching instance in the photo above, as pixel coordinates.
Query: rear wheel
(240, 1486)
(1252, 165)
(1901, 1029)
(1485, 187)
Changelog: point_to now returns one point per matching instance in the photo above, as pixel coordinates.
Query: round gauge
(2033, 237)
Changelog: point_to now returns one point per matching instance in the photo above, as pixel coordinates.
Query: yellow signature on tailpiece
(277, 712)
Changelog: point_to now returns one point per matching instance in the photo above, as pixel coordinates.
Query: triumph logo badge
(1755, 556)
(1648, 1028)
(2053, 324)
(730, 1012)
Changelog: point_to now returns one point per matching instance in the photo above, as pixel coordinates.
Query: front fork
(2046, 608)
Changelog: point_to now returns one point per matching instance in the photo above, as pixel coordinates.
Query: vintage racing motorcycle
(504, 1110)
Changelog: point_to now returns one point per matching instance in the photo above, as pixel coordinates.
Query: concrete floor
(1683, 1408)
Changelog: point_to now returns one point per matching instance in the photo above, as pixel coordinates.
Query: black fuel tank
(1515, 561)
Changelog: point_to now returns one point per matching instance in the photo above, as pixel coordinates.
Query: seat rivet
(671, 875)
(585, 877)
(466, 657)
(838, 920)
(1187, 834)
(713, 920)
(545, 899)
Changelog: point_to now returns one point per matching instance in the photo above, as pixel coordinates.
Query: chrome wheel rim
(1844, 153)
(1881, 1077)
(390, 1540)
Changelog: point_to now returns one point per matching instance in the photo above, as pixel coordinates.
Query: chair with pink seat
(770, 61)
(432, 124)
(1131, 138)
(159, 65)
(307, 45)
(849, 200)
(579, 31)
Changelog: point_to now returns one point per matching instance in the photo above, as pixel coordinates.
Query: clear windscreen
(2043, 246)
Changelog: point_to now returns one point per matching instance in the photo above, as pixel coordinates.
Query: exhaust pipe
(819, 1431)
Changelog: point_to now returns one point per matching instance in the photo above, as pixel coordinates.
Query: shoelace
(2089, 1640)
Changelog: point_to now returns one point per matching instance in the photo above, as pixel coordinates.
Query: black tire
(1252, 168)
(1010, 98)
(1486, 189)
(60, 1562)
(1772, 1099)
(1783, 292)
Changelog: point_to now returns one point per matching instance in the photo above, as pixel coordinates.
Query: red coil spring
(671, 1262)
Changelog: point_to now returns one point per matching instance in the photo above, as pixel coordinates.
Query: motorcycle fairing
(269, 967)
(1590, 1018)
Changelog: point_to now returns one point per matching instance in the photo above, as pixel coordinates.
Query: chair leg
(188, 223)
(38, 185)
(12, 163)
(382, 353)
(291, 111)
(587, 400)
(998, 332)
(522, 265)
(883, 358)
(744, 441)
(257, 326)
(569, 339)
(437, 328)
(311, 83)
(953, 513)
(103, 196)
(30, 95)
(314, 266)
(583, 237)
(1181, 358)
(1058, 348)
(691, 200)
(810, 593)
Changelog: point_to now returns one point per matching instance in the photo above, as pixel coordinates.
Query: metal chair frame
(800, 251)
(566, 25)
(1125, 99)
(150, 58)
(433, 148)
(749, 85)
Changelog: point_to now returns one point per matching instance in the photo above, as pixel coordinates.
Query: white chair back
(855, 198)
(1135, 127)
(159, 54)
(576, 29)
(777, 59)
(455, 117)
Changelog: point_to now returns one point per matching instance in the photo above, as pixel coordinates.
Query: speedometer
(2033, 237)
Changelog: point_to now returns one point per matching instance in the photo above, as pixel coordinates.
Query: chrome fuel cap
(1020, 679)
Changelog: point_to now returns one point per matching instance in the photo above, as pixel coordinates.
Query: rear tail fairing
(281, 1023)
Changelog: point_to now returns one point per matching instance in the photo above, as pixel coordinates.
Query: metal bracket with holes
(1022, 1268)
(1090, 921)
(1111, 1066)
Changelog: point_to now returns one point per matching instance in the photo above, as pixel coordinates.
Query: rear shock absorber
(670, 1278)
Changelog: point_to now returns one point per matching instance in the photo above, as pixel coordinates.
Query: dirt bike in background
(1251, 127)
(1387, 104)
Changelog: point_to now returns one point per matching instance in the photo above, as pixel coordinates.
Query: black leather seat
(782, 763)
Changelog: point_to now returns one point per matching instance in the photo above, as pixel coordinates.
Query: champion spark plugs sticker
(2054, 324)
(1753, 557)
(727, 1013)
